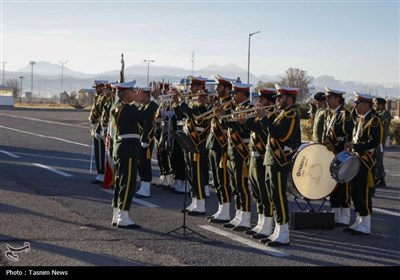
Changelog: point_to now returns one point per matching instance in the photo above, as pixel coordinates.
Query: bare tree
(298, 78)
(11, 83)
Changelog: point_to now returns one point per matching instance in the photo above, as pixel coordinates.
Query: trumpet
(253, 109)
(200, 93)
(169, 95)
(212, 111)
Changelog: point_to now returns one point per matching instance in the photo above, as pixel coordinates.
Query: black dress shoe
(340, 225)
(131, 226)
(141, 196)
(348, 230)
(240, 228)
(259, 236)
(114, 224)
(195, 213)
(184, 211)
(217, 221)
(228, 225)
(277, 244)
(250, 232)
(358, 233)
(265, 240)
(208, 218)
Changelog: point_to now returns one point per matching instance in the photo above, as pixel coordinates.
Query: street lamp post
(62, 73)
(248, 57)
(148, 69)
(32, 63)
(20, 85)
(3, 72)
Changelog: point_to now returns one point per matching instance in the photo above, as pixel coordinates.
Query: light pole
(3, 63)
(248, 57)
(62, 73)
(32, 63)
(148, 69)
(20, 85)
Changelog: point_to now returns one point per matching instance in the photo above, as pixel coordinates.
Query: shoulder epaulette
(291, 113)
(375, 121)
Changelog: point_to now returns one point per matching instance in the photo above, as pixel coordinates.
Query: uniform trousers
(125, 181)
(360, 192)
(259, 186)
(238, 178)
(276, 186)
(218, 164)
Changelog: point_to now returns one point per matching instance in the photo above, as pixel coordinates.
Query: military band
(241, 143)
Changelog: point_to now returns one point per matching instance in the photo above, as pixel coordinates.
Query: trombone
(253, 109)
(212, 111)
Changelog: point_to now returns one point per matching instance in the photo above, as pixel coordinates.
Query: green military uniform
(367, 137)
(380, 174)
(163, 151)
(338, 130)
(94, 119)
(146, 130)
(125, 118)
(238, 155)
(217, 143)
(257, 147)
(284, 140)
(318, 127)
(197, 131)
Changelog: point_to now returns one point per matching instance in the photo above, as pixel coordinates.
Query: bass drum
(311, 176)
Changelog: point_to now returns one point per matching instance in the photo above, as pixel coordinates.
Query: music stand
(188, 147)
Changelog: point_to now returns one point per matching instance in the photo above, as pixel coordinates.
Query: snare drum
(345, 166)
(310, 173)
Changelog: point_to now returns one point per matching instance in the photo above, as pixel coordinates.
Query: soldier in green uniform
(283, 141)
(217, 143)
(385, 117)
(146, 129)
(367, 136)
(106, 135)
(319, 117)
(125, 119)
(197, 131)
(238, 155)
(95, 130)
(257, 146)
(338, 130)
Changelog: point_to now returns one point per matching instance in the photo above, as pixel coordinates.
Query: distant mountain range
(47, 78)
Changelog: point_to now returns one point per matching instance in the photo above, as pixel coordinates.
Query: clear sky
(350, 40)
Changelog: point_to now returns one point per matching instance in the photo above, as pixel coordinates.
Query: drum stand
(312, 218)
(308, 204)
(185, 229)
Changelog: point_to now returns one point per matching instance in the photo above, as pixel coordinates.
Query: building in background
(6, 96)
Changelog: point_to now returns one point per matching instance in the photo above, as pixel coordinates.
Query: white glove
(144, 144)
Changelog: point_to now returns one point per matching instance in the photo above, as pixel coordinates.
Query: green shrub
(395, 132)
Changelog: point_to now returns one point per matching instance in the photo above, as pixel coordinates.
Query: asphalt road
(46, 199)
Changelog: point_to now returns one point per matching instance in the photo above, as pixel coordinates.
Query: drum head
(310, 174)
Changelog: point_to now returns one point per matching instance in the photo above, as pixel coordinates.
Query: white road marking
(9, 154)
(384, 211)
(45, 136)
(255, 245)
(137, 200)
(46, 121)
(53, 170)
